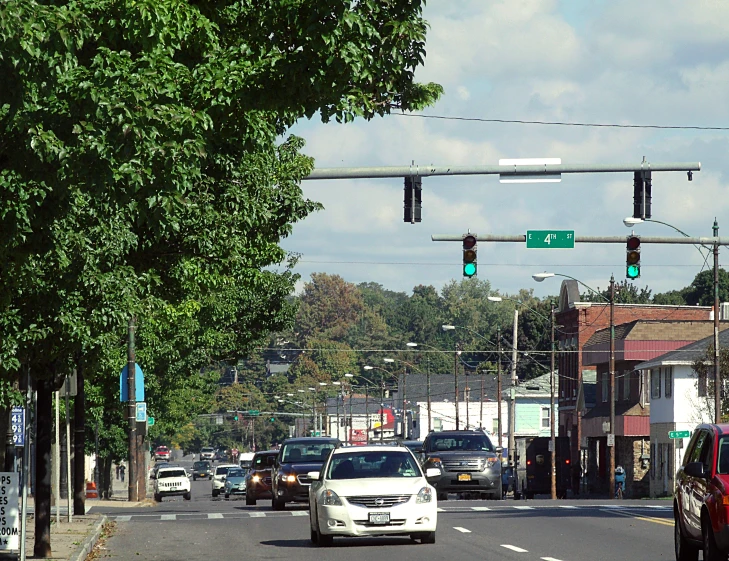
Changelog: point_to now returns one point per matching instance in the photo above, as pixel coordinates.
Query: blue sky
(658, 62)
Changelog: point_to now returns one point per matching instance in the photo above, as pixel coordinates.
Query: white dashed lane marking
(524, 507)
(462, 530)
(566, 506)
(257, 514)
(300, 513)
(514, 548)
(168, 517)
(213, 515)
(550, 559)
(480, 508)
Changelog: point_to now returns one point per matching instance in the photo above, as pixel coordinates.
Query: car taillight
(725, 500)
(529, 462)
(566, 461)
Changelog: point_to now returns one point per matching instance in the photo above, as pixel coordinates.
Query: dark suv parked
(468, 461)
(702, 495)
(298, 457)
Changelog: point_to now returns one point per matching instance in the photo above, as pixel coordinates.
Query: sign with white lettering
(17, 419)
(9, 518)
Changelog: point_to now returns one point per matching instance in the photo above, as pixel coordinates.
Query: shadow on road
(343, 542)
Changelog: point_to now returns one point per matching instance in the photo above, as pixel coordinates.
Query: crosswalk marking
(256, 514)
(215, 515)
(514, 548)
(524, 507)
(566, 506)
(462, 530)
(168, 517)
(123, 518)
(299, 513)
(441, 509)
(480, 508)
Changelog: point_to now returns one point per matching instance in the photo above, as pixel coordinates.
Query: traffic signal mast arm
(590, 239)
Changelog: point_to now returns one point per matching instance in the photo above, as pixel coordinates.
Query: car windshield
(222, 471)
(458, 443)
(201, 465)
(236, 473)
(171, 473)
(206, 450)
(415, 446)
(722, 464)
(304, 452)
(260, 462)
(362, 464)
(162, 449)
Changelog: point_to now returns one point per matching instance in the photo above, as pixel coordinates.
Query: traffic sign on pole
(254, 412)
(550, 239)
(150, 421)
(679, 434)
(141, 412)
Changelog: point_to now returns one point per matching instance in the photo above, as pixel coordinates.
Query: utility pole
(351, 425)
(498, 386)
(405, 421)
(480, 415)
(717, 373)
(430, 424)
(611, 449)
(467, 399)
(455, 381)
(338, 422)
(512, 392)
(132, 415)
(382, 410)
(551, 408)
(367, 411)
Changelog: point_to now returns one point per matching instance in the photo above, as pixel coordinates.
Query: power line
(562, 123)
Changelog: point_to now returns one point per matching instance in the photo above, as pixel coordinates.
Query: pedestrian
(118, 470)
(122, 469)
(507, 478)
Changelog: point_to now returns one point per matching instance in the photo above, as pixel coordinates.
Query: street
(569, 530)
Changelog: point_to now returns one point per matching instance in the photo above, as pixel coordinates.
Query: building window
(626, 385)
(545, 418)
(437, 423)
(668, 384)
(655, 383)
(702, 384)
(495, 428)
(604, 387)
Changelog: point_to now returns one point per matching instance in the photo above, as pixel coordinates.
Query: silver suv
(468, 461)
(207, 453)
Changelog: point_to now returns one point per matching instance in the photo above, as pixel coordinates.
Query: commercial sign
(17, 419)
(9, 518)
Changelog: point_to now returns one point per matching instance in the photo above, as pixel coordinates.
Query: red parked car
(162, 453)
(701, 498)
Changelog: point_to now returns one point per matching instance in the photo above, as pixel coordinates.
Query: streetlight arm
(583, 284)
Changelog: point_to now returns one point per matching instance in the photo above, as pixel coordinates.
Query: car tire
(250, 501)
(442, 496)
(428, 537)
(685, 551)
(711, 550)
(227, 495)
(324, 540)
(194, 478)
(215, 493)
(277, 504)
(158, 497)
(187, 496)
(494, 496)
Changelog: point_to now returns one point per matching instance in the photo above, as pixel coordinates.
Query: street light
(539, 277)
(455, 372)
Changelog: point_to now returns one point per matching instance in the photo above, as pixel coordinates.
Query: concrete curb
(83, 551)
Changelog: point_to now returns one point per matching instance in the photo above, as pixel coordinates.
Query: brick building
(578, 322)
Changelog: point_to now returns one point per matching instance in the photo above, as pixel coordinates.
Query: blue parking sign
(17, 419)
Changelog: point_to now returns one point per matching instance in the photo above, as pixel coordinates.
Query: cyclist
(619, 482)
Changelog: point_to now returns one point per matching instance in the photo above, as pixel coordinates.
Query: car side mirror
(420, 450)
(432, 472)
(696, 469)
(314, 475)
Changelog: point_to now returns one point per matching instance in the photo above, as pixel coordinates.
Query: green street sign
(679, 434)
(550, 239)
(150, 421)
(254, 412)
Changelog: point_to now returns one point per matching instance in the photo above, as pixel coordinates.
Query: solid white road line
(257, 514)
(462, 530)
(168, 517)
(480, 508)
(123, 518)
(214, 515)
(299, 513)
(514, 548)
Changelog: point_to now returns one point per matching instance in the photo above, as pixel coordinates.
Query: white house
(443, 417)
(679, 402)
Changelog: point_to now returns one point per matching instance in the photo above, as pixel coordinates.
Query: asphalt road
(578, 530)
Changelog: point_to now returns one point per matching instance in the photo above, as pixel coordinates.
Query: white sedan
(372, 491)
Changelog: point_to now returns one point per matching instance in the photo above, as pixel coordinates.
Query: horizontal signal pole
(507, 170)
(590, 239)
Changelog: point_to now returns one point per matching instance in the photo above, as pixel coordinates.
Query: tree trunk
(105, 476)
(44, 433)
(7, 452)
(79, 443)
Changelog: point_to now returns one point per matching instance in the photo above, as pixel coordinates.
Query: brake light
(529, 462)
(566, 461)
(725, 500)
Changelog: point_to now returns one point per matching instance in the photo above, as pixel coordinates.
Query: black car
(202, 469)
(296, 458)
(468, 461)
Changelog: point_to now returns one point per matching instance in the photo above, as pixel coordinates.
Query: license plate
(464, 477)
(379, 517)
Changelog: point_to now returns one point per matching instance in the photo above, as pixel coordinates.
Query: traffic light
(272, 419)
(469, 255)
(235, 417)
(413, 192)
(642, 184)
(632, 257)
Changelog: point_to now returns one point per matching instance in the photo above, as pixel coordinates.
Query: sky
(653, 62)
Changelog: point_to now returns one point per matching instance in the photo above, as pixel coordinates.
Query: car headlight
(491, 461)
(331, 498)
(291, 478)
(425, 495)
(256, 478)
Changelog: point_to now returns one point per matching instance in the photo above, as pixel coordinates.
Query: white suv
(219, 477)
(207, 453)
(170, 482)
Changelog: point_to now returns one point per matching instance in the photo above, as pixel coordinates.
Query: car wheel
(711, 550)
(684, 550)
(194, 478)
(187, 496)
(277, 504)
(227, 495)
(215, 492)
(428, 537)
(250, 501)
(442, 496)
(324, 540)
(158, 497)
(495, 496)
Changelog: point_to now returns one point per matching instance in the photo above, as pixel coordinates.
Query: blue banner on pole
(138, 382)
(17, 416)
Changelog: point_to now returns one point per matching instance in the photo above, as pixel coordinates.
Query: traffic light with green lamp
(235, 417)
(272, 419)
(469, 255)
(632, 257)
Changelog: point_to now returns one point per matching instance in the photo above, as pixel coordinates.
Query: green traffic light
(469, 269)
(633, 272)
(235, 418)
(272, 419)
